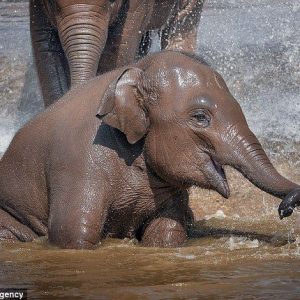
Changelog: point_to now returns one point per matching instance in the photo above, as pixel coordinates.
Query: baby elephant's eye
(202, 118)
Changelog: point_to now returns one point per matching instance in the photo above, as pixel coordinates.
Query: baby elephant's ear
(122, 105)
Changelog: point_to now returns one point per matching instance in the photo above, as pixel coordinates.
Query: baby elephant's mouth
(215, 175)
(223, 188)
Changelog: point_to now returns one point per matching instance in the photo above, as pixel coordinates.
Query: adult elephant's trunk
(248, 157)
(83, 32)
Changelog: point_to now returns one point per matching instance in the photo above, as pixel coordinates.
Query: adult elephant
(73, 40)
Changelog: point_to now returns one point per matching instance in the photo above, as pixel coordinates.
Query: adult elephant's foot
(164, 232)
(11, 229)
(289, 203)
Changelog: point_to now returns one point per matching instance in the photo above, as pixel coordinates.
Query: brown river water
(212, 267)
(239, 248)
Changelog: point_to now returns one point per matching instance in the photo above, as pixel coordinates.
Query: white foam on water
(297, 243)
(185, 256)
(235, 243)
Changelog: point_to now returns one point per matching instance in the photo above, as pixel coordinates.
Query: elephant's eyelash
(202, 118)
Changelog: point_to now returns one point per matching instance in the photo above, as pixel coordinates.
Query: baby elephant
(164, 124)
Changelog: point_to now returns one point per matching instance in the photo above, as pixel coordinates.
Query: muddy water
(211, 267)
(239, 249)
(225, 258)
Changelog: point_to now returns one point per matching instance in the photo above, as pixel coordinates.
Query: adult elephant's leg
(126, 34)
(108, 58)
(82, 29)
(137, 19)
(180, 32)
(51, 63)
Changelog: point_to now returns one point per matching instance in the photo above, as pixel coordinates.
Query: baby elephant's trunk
(248, 157)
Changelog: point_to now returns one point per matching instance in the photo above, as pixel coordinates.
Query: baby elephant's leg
(164, 232)
(77, 213)
(170, 227)
(11, 229)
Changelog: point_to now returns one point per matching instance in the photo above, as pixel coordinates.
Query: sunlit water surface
(226, 267)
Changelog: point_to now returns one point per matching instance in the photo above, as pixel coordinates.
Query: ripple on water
(231, 264)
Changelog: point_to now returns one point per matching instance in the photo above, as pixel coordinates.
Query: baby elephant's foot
(289, 203)
(13, 230)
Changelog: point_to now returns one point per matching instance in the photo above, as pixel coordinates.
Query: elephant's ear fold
(122, 105)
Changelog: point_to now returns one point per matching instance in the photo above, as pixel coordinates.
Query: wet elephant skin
(73, 40)
(163, 124)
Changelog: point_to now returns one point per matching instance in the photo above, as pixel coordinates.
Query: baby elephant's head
(191, 123)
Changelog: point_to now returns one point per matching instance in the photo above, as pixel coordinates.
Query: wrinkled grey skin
(73, 40)
(164, 124)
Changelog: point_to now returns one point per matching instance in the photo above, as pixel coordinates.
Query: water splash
(235, 243)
